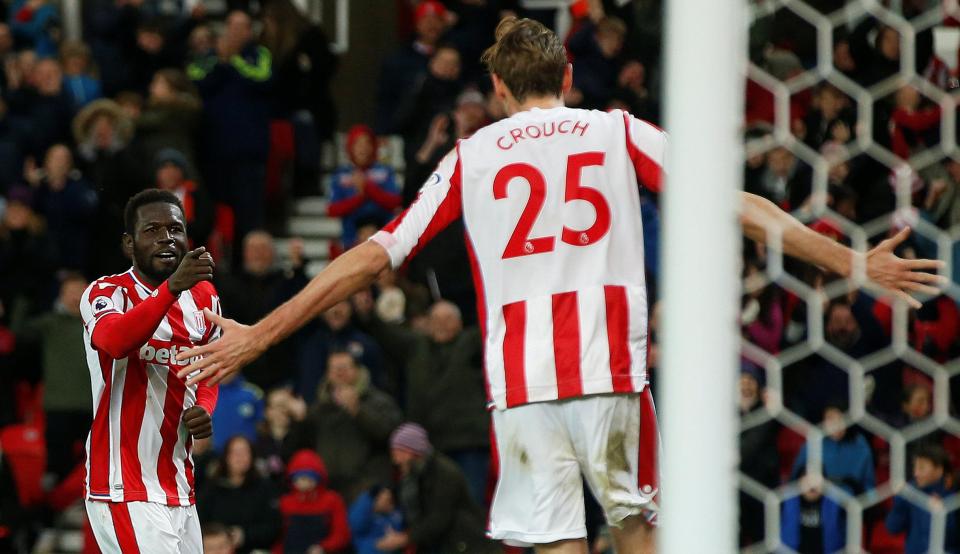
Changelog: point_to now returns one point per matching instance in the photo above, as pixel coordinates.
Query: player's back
(552, 211)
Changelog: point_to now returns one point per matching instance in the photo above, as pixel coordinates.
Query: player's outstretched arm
(241, 344)
(884, 269)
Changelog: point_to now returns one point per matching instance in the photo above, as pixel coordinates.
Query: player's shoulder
(206, 288)
(108, 284)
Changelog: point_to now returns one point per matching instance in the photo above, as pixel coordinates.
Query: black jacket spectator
(241, 499)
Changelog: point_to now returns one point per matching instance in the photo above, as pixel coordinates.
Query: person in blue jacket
(930, 463)
(812, 523)
(847, 459)
(371, 515)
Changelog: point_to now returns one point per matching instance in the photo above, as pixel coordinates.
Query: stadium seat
(24, 447)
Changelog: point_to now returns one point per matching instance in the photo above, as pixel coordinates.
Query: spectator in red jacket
(314, 517)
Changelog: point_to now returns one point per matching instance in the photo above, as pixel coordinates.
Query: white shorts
(544, 448)
(145, 528)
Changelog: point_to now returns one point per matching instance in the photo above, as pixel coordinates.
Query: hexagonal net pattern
(849, 430)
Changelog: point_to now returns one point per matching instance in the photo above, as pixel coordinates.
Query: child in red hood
(314, 518)
(364, 189)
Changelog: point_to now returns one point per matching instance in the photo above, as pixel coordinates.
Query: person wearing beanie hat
(314, 517)
(759, 458)
(363, 189)
(441, 515)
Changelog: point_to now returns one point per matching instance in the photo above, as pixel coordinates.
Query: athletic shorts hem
(525, 539)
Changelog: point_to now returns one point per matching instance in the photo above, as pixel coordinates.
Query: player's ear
(567, 82)
(499, 88)
(126, 244)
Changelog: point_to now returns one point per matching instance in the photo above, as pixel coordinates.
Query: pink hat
(411, 437)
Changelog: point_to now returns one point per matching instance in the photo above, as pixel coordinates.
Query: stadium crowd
(368, 430)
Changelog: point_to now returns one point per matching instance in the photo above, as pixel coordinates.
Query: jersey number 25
(521, 243)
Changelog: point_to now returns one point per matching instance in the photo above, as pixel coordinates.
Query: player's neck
(146, 280)
(541, 102)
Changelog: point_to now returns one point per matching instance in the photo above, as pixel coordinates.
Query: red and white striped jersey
(138, 448)
(551, 207)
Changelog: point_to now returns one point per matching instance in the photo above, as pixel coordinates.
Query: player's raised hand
(197, 265)
(237, 347)
(198, 422)
(894, 274)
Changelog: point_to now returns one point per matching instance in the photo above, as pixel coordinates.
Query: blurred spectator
(445, 130)
(253, 290)
(633, 95)
(372, 515)
(914, 124)
(201, 42)
(241, 500)
(435, 92)
(877, 58)
(759, 458)
(917, 406)
(434, 497)
(445, 387)
(762, 316)
(236, 79)
(216, 539)
(930, 467)
(172, 171)
(282, 412)
(148, 50)
(364, 190)
(239, 411)
(348, 426)
(103, 133)
(785, 180)
(830, 119)
(67, 203)
(171, 117)
(847, 459)
(337, 332)
(27, 254)
(35, 25)
(81, 86)
(66, 395)
(402, 69)
(304, 66)
(41, 104)
(812, 523)
(596, 60)
(314, 517)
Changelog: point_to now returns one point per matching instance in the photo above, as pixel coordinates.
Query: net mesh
(851, 111)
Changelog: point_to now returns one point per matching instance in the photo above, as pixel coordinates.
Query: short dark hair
(933, 452)
(142, 198)
(214, 529)
(528, 57)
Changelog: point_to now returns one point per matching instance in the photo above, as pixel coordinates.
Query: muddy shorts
(547, 449)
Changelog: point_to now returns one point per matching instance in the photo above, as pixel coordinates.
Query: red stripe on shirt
(123, 527)
(515, 316)
(131, 423)
(481, 305)
(618, 337)
(566, 345)
(172, 413)
(100, 433)
(649, 172)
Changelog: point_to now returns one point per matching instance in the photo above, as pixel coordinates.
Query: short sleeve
(99, 300)
(438, 204)
(647, 147)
